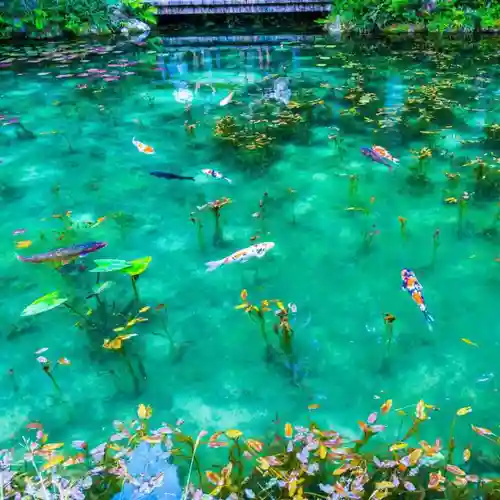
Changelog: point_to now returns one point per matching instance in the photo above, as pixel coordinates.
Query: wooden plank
(242, 9)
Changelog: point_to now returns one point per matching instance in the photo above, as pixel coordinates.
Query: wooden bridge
(182, 7)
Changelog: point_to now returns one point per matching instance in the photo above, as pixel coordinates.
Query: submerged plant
(48, 367)
(389, 319)
(199, 230)
(257, 314)
(419, 170)
(285, 333)
(462, 206)
(215, 207)
(435, 245)
(402, 226)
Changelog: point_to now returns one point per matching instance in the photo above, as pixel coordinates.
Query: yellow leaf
(398, 446)
(244, 295)
(384, 485)
(255, 445)
(385, 408)
(53, 462)
(119, 329)
(466, 455)
(152, 439)
(233, 433)
(241, 306)
(467, 341)
(52, 446)
(339, 471)
(212, 477)
(144, 309)
(144, 412)
(292, 487)
(463, 411)
(263, 463)
(322, 452)
(132, 322)
(415, 456)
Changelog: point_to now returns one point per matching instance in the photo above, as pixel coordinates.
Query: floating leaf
(385, 408)
(481, 431)
(457, 471)
(254, 445)
(137, 266)
(51, 447)
(288, 430)
(144, 309)
(469, 342)
(212, 477)
(109, 265)
(44, 304)
(144, 412)
(233, 433)
(398, 446)
(384, 485)
(313, 407)
(463, 411)
(53, 462)
(466, 455)
(414, 456)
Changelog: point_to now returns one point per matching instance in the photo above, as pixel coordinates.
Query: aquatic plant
(435, 245)
(257, 314)
(300, 461)
(199, 230)
(389, 319)
(215, 207)
(419, 170)
(285, 332)
(48, 367)
(462, 206)
(402, 225)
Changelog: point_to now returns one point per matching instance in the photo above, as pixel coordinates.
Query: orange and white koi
(242, 256)
(215, 174)
(411, 284)
(227, 99)
(143, 148)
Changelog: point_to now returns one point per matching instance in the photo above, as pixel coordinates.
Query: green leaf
(109, 265)
(137, 266)
(44, 304)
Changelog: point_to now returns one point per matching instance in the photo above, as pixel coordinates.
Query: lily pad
(44, 304)
(137, 266)
(109, 265)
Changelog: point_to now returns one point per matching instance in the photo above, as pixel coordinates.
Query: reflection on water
(285, 121)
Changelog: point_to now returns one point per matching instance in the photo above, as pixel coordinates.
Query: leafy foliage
(69, 16)
(436, 15)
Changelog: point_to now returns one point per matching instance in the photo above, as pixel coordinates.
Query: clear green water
(217, 376)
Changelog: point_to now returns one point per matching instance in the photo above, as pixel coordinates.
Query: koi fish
(143, 148)
(258, 250)
(64, 254)
(227, 99)
(380, 155)
(215, 174)
(411, 284)
(168, 175)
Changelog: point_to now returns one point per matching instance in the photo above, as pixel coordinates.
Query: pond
(284, 120)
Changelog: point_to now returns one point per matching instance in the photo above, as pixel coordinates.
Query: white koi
(143, 148)
(227, 99)
(242, 256)
(215, 174)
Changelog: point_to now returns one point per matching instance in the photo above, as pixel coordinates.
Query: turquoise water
(66, 145)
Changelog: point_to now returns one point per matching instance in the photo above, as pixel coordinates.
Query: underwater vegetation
(322, 174)
(297, 461)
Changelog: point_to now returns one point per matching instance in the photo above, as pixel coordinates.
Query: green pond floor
(69, 113)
